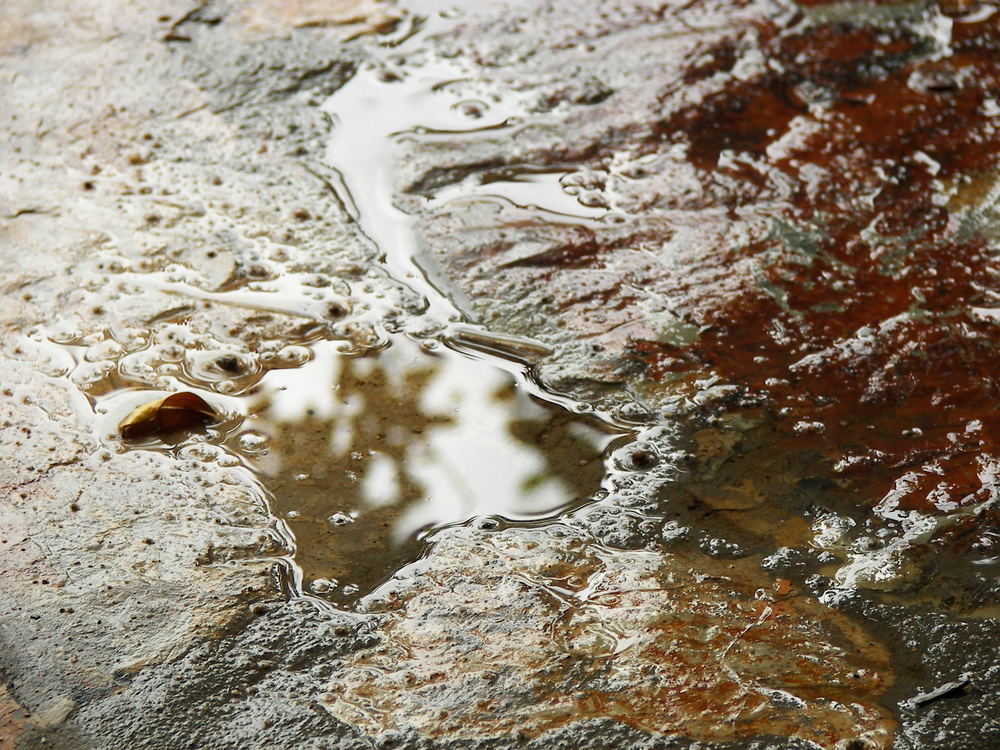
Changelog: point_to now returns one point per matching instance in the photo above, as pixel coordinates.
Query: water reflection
(363, 453)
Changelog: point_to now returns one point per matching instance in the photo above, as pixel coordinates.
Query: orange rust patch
(636, 637)
(12, 718)
(264, 18)
(863, 305)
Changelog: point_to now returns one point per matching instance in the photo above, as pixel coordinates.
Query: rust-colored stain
(815, 203)
(12, 718)
(870, 312)
(266, 18)
(565, 632)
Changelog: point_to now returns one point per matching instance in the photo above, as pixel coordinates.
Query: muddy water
(362, 456)
(359, 454)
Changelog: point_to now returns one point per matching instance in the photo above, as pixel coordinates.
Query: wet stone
(616, 375)
(782, 230)
(565, 629)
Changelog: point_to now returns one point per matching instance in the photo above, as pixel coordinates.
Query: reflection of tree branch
(377, 404)
(362, 552)
(561, 450)
(450, 471)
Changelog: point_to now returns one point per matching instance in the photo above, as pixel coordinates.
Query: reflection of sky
(541, 190)
(466, 462)
(474, 466)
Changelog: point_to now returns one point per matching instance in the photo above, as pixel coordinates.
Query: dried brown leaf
(178, 411)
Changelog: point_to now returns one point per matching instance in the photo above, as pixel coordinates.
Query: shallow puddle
(358, 455)
(361, 440)
(362, 455)
(411, 97)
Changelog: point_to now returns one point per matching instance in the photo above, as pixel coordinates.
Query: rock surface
(759, 237)
(666, 643)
